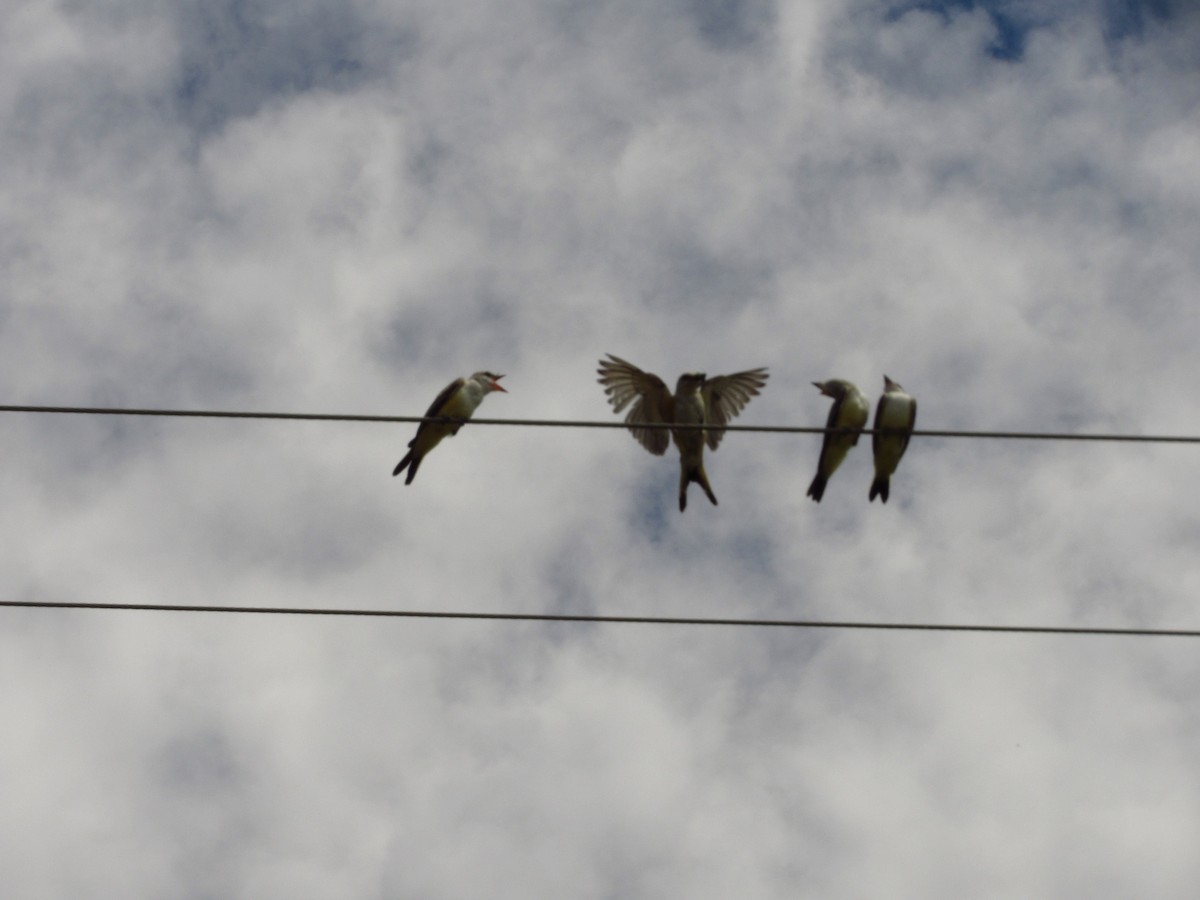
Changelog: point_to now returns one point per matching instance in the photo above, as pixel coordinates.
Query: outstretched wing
(725, 396)
(652, 402)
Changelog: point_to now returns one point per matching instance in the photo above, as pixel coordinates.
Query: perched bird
(698, 400)
(458, 401)
(896, 412)
(849, 412)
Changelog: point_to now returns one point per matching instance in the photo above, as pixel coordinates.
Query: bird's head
(834, 387)
(489, 381)
(690, 382)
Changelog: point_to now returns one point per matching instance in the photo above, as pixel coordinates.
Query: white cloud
(296, 207)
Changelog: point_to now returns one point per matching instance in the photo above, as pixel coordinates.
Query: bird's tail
(688, 474)
(816, 490)
(879, 488)
(411, 461)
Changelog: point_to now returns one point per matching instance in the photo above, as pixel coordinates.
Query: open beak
(496, 385)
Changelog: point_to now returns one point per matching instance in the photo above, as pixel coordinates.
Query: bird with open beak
(895, 415)
(698, 400)
(458, 401)
(847, 416)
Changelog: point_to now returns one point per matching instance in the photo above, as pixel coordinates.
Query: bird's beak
(820, 387)
(496, 386)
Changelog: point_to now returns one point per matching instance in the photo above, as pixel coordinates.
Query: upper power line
(612, 620)
(567, 423)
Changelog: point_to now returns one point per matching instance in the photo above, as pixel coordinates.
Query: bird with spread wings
(698, 400)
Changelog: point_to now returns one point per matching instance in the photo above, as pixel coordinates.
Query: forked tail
(411, 461)
(688, 474)
(816, 490)
(879, 488)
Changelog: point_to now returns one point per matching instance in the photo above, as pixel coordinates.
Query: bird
(848, 415)
(896, 413)
(458, 400)
(698, 400)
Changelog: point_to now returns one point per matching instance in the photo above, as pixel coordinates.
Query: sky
(309, 206)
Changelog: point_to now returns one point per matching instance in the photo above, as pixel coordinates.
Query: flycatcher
(848, 414)
(895, 415)
(458, 401)
(698, 400)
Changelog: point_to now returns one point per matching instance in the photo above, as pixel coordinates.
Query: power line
(566, 423)
(612, 620)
